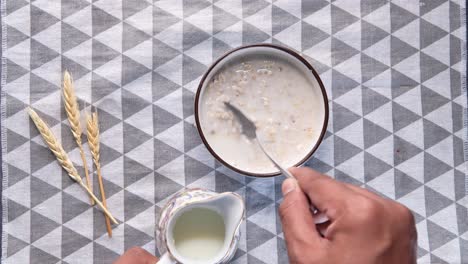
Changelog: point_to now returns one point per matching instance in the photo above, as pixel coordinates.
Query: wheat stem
(73, 113)
(93, 142)
(104, 209)
(63, 158)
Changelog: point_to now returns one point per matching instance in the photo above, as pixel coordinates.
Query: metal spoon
(249, 129)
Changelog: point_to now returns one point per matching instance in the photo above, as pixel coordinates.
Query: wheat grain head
(93, 136)
(71, 106)
(54, 145)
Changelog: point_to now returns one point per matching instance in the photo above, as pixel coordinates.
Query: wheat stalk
(73, 113)
(93, 142)
(63, 158)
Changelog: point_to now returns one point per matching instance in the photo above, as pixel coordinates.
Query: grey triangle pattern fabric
(393, 70)
(15, 36)
(312, 35)
(401, 16)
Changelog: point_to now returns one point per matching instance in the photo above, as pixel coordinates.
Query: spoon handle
(319, 218)
(277, 165)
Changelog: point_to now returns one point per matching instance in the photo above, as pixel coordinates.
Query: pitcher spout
(231, 207)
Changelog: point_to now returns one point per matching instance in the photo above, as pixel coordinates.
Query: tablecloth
(394, 72)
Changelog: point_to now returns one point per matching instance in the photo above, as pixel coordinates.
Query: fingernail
(289, 185)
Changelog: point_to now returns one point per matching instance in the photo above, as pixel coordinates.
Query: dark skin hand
(137, 255)
(364, 228)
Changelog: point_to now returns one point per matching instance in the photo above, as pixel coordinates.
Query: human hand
(364, 228)
(137, 255)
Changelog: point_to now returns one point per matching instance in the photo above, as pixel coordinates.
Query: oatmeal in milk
(284, 104)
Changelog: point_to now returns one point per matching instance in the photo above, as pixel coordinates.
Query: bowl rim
(283, 49)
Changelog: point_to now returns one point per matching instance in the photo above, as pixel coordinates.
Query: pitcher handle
(166, 259)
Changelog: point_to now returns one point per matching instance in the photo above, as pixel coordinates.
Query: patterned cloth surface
(393, 71)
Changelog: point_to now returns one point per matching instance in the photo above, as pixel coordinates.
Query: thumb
(296, 218)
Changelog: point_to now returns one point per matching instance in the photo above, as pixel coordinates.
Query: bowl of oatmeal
(278, 90)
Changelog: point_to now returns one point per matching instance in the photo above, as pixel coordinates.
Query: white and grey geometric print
(393, 71)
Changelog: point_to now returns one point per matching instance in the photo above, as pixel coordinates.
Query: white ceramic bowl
(282, 53)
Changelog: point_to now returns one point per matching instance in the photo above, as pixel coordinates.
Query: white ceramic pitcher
(230, 206)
